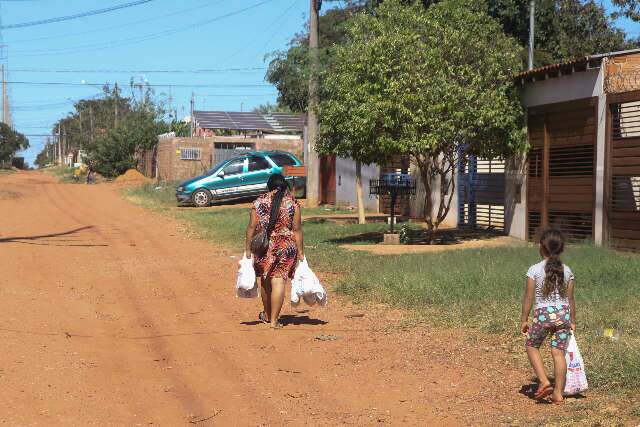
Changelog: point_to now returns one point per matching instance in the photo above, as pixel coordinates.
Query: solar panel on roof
(274, 122)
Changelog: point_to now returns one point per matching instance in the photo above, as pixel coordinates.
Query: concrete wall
(579, 85)
(417, 203)
(346, 184)
(515, 196)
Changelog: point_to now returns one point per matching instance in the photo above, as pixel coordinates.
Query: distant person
(90, 176)
(276, 213)
(76, 174)
(550, 283)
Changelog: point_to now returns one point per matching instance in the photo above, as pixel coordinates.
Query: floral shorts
(550, 320)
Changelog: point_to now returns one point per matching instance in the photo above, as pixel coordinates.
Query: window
(258, 164)
(190, 154)
(235, 167)
(282, 160)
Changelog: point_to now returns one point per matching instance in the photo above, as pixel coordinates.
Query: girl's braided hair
(552, 244)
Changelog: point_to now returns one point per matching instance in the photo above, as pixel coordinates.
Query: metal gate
(560, 182)
(224, 151)
(624, 175)
(481, 190)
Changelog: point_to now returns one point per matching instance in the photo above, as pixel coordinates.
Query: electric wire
(75, 16)
(152, 71)
(137, 39)
(172, 85)
(113, 27)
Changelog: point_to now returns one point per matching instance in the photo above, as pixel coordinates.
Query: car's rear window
(282, 160)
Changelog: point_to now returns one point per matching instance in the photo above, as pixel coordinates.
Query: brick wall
(172, 168)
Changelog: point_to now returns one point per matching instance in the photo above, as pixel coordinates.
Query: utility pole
(115, 123)
(4, 97)
(312, 159)
(59, 147)
(532, 28)
(191, 117)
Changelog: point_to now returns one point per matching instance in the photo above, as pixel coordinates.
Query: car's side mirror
(221, 174)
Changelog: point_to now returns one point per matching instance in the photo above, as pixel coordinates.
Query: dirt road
(109, 315)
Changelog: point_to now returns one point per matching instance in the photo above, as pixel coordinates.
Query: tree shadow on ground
(51, 239)
(421, 236)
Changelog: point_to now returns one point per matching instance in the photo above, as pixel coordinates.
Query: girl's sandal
(543, 392)
(263, 317)
(278, 325)
(557, 402)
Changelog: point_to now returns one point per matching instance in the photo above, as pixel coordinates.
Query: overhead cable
(76, 16)
(137, 39)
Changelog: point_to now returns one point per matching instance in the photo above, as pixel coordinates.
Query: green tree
(10, 143)
(564, 29)
(114, 152)
(432, 84)
(271, 108)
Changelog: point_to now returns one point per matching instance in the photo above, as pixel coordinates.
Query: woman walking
(275, 216)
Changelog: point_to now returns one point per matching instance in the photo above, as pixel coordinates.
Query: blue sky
(158, 35)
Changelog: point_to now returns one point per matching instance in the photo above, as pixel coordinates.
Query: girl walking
(276, 213)
(550, 284)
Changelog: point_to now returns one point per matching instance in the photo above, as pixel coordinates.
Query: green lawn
(473, 288)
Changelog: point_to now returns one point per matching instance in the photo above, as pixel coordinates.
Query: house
(582, 172)
(218, 136)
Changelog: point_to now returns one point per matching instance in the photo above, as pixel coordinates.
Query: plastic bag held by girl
(576, 375)
(306, 286)
(246, 286)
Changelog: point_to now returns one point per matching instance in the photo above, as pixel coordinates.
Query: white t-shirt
(537, 273)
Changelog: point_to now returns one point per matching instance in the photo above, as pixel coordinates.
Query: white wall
(346, 183)
(579, 85)
(417, 203)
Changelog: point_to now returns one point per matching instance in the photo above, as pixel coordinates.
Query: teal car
(239, 177)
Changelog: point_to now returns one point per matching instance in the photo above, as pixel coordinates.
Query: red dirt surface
(110, 315)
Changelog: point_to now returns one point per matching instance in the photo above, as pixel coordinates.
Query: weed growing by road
(473, 288)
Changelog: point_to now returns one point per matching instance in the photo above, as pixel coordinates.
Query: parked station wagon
(239, 177)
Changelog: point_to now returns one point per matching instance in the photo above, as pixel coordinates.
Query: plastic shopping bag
(576, 375)
(246, 286)
(306, 286)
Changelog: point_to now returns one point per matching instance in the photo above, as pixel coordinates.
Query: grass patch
(65, 174)
(473, 288)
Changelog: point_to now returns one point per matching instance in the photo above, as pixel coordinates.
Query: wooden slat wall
(624, 164)
(481, 194)
(571, 130)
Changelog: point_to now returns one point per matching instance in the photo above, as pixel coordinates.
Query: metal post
(394, 195)
(312, 159)
(191, 120)
(532, 21)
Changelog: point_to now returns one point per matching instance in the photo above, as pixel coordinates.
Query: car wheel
(201, 198)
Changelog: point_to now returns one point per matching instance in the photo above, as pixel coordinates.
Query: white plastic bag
(306, 286)
(246, 286)
(576, 375)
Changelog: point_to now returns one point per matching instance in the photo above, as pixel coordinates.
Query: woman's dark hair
(552, 245)
(276, 182)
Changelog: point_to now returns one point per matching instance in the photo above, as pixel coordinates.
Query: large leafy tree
(114, 152)
(564, 29)
(434, 84)
(10, 143)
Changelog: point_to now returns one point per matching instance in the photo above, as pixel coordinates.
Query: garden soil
(113, 315)
(132, 177)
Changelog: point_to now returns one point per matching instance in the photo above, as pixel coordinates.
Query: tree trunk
(359, 194)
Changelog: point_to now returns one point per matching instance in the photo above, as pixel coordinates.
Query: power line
(113, 27)
(76, 16)
(142, 38)
(202, 71)
(145, 85)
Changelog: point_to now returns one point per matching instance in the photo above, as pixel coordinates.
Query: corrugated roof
(572, 65)
(272, 122)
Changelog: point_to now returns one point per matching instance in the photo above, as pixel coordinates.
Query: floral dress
(280, 259)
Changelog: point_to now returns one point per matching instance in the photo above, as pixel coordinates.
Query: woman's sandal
(543, 392)
(278, 325)
(263, 317)
(557, 402)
